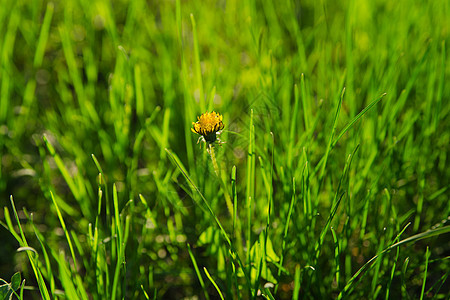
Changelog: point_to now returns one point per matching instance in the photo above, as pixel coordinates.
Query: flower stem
(213, 158)
(222, 184)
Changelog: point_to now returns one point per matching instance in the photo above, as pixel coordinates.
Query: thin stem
(213, 158)
(222, 184)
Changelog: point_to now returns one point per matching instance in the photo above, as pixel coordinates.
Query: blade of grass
(388, 288)
(103, 180)
(305, 104)
(403, 278)
(336, 257)
(346, 128)
(188, 101)
(268, 294)
(145, 293)
(327, 152)
(46, 257)
(10, 226)
(234, 195)
(78, 193)
(427, 255)
(66, 277)
(66, 232)
(210, 102)
(440, 89)
(120, 258)
(293, 127)
(349, 53)
(286, 226)
(365, 214)
(75, 276)
(319, 243)
(250, 183)
(117, 217)
(442, 280)
(213, 282)
(355, 119)
(235, 280)
(139, 92)
(197, 67)
(33, 260)
(308, 208)
(5, 60)
(297, 283)
(43, 36)
(197, 271)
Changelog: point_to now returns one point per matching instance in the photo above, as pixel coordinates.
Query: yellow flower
(208, 126)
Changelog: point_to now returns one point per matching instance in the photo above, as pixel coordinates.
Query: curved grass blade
(346, 128)
(214, 283)
(197, 271)
(355, 119)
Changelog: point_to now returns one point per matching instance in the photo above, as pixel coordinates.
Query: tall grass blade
(297, 282)
(197, 271)
(427, 255)
(250, 182)
(286, 226)
(43, 36)
(213, 282)
(329, 146)
(337, 257)
(33, 259)
(197, 67)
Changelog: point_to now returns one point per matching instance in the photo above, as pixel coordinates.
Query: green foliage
(8, 289)
(333, 181)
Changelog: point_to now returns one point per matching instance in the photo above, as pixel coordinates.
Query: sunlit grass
(331, 179)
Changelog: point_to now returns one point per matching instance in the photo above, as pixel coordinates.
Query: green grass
(333, 181)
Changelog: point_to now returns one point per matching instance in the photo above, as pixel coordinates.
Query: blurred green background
(124, 80)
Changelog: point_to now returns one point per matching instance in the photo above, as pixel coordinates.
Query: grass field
(331, 181)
